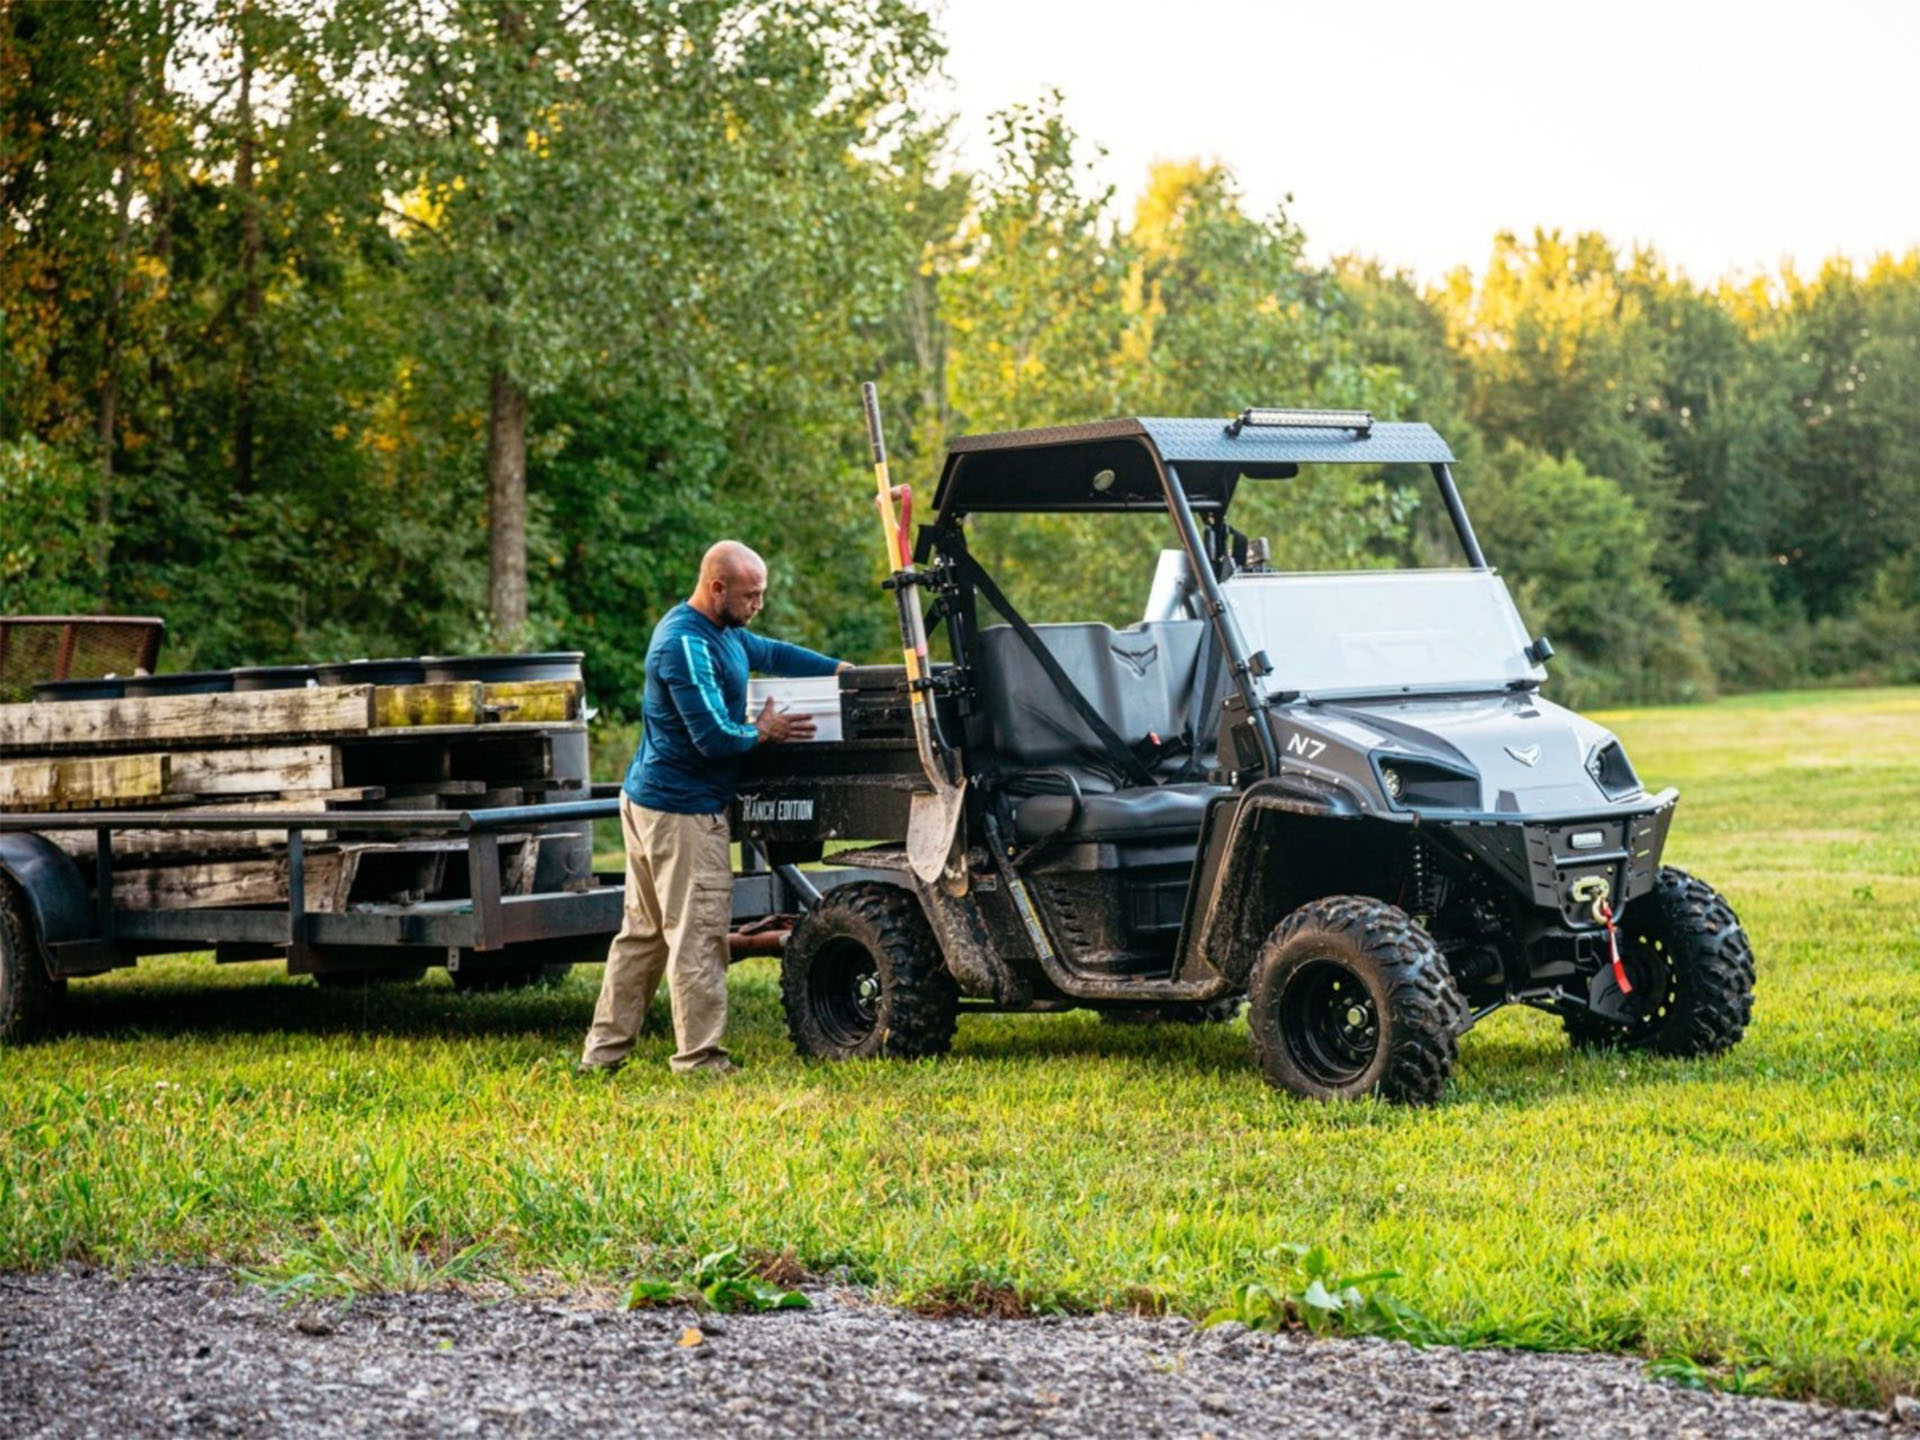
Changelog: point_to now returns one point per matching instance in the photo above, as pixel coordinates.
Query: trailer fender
(56, 892)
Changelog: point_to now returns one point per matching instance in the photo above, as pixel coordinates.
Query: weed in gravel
(1734, 1379)
(1315, 1296)
(720, 1281)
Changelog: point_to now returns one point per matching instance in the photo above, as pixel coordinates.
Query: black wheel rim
(1329, 1022)
(846, 992)
(1649, 965)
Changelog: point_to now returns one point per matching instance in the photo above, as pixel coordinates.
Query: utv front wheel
(1690, 964)
(1349, 998)
(863, 976)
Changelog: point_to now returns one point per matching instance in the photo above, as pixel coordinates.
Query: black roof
(1053, 469)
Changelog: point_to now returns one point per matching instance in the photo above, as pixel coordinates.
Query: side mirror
(1540, 651)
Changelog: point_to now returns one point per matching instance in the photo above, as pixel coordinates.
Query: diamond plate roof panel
(1108, 465)
(1205, 441)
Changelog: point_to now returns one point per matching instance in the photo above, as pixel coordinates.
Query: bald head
(732, 584)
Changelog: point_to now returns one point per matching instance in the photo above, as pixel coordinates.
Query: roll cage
(1188, 467)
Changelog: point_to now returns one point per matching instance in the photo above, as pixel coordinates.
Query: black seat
(1150, 813)
(1137, 679)
(1140, 680)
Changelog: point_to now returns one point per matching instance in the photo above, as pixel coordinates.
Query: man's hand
(778, 725)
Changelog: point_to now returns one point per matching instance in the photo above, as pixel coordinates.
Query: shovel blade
(933, 825)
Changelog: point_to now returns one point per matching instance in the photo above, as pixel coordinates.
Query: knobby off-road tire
(30, 994)
(1203, 1012)
(1350, 998)
(1691, 966)
(863, 976)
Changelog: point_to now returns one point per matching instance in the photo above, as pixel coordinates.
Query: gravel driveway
(84, 1354)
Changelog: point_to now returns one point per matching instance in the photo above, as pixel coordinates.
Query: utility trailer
(361, 822)
(55, 924)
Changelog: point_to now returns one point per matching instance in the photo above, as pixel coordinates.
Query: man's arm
(777, 657)
(694, 687)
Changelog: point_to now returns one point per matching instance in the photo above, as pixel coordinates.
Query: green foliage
(1560, 355)
(263, 263)
(1691, 1374)
(1580, 557)
(719, 1280)
(1190, 310)
(50, 540)
(728, 1285)
(1314, 1296)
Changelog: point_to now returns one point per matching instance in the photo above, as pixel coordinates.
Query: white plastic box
(817, 695)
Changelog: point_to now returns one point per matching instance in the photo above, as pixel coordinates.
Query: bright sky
(1733, 136)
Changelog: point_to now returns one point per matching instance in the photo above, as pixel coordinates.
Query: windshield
(1373, 632)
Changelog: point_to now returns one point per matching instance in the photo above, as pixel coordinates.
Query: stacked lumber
(340, 750)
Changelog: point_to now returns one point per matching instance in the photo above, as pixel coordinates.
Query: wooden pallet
(243, 717)
(209, 844)
(342, 750)
(329, 875)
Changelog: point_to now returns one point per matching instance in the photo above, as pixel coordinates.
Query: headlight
(1612, 773)
(1423, 785)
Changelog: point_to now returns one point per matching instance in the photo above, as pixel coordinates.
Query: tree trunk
(507, 416)
(243, 420)
(507, 505)
(108, 417)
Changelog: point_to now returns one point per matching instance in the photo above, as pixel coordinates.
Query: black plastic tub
(184, 682)
(111, 688)
(371, 672)
(497, 669)
(273, 677)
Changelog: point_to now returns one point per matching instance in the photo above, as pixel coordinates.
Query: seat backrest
(1138, 679)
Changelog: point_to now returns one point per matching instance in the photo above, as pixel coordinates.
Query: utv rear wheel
(863, 976)
(1690, 964)
(1350, 998)
(30, 994)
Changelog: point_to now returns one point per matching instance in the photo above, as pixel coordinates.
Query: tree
(1223, 313)
(1559, 356)
(1579, 553)
(594, 188)
(84, 116)
(48, 548)
(1857, 343)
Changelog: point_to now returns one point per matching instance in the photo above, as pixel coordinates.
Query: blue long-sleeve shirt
(693, 709)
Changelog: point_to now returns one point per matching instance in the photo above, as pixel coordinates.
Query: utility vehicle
(1341, 797)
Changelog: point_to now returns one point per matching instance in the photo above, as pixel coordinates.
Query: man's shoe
(604, 1072)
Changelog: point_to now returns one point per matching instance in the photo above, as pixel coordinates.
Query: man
(673, 811)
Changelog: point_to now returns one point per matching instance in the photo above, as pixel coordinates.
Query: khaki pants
(679, 907)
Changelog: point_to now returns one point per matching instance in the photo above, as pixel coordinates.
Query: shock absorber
(1422, 884)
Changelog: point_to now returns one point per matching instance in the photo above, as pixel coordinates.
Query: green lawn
(1761, 1210)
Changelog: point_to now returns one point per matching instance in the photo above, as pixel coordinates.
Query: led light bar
(1358, 421)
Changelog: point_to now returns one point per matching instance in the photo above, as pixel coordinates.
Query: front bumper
(1537, 856)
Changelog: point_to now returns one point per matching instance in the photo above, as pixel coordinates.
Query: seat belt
(1118, 751)
(1204, 704)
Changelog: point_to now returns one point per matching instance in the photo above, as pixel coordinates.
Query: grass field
(1757, 1215)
